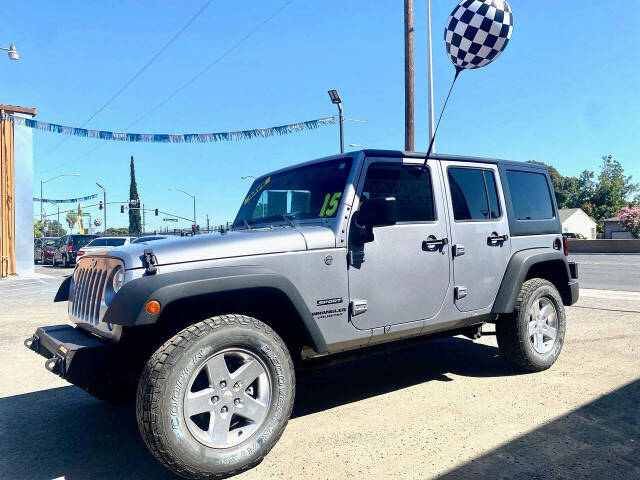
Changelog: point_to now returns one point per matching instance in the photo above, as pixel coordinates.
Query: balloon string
(458, 70)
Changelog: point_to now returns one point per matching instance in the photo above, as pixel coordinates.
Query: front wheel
(531, 337)
(215, 398)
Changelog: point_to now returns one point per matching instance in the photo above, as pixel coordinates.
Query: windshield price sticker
(257, 190)
(330, 205)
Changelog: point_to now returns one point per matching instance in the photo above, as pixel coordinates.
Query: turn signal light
(565, 244)
(80, 253)
(153, 307)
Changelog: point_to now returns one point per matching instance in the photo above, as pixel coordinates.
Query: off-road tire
(159, 406)
(512, 334)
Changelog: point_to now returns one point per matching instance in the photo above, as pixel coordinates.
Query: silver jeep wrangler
(345, 255)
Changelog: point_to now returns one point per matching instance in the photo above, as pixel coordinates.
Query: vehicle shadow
(598, 440)
(65, 432)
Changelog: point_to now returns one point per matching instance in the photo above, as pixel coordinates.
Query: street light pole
(336, 100)
(104, 201)
(194, 202)
(42, 182)
(430, 76)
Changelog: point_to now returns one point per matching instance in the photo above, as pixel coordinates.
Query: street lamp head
(335, 97)
(171, 189)
(13, 53)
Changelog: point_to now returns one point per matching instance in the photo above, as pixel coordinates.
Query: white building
(574, 220)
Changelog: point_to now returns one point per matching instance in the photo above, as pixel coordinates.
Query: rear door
(398, 278)
(481, 246)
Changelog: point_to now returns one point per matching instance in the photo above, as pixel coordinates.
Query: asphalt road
(446, 409)
(609, 272)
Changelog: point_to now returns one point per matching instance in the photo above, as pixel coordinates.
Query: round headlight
(118, 279)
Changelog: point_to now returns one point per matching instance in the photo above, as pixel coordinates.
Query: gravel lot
(443, 409)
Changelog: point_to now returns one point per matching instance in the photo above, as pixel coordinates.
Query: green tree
(612, 191)
(55, 229)
(117, 231)
(135, 227)
(37, 229)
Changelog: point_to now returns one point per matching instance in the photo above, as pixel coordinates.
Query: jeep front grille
(90, 280)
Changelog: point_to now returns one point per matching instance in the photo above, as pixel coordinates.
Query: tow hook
(32, 343)
(54, 364)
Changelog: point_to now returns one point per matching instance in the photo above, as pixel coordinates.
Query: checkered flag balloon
(477, 32)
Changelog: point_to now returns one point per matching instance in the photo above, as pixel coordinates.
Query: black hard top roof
(447, 157)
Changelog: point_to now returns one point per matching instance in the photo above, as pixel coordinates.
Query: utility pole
(207, 223)
(430, 75)
(408, 76)
(143, 219)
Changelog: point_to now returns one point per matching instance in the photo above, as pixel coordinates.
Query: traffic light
(121, 208)
(193, 228)
(156, 212)
(198, 228)
(100, 206)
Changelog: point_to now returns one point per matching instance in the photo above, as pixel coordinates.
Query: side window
(411, 187)
(474, 195)
(530, 195)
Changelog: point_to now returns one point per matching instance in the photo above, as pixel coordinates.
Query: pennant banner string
(68, 200)
(172, 138)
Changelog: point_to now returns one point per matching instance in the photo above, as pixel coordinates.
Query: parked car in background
(39, 244)
(67, 249)
(104, 243)
(148, 238)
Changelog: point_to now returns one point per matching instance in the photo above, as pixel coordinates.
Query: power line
(138, 73)
(189, 82)
(212, 64)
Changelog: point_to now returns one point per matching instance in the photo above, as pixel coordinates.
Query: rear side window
(474, 195)
(411, 187)
(81, 241)
(530, 195)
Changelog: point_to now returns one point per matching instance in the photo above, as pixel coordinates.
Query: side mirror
(377, 212)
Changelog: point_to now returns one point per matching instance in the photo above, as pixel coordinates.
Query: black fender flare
(127, 307)
(516, 273)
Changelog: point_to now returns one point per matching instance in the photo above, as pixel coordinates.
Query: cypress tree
(135, 227)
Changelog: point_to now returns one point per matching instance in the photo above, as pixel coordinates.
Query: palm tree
(71, 221)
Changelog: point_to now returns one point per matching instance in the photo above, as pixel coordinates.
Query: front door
(399, 277)
(479, 232)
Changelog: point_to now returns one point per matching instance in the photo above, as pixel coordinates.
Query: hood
(236, 243)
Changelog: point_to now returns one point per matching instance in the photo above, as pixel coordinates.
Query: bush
(630, 218)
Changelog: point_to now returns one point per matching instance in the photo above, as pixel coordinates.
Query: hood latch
(150, 262)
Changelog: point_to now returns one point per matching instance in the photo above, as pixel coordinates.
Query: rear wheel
(54, 262)
(65, 261)
(215, 398)
(531, 337)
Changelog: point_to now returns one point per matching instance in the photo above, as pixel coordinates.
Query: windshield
(312, 191)
(147, 239)
(106, 242)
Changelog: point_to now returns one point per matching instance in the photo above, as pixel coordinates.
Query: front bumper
(76, 356)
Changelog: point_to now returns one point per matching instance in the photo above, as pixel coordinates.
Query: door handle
(494, 238)
(432, 243)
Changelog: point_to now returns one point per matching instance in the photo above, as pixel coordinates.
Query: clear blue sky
(565, 91)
